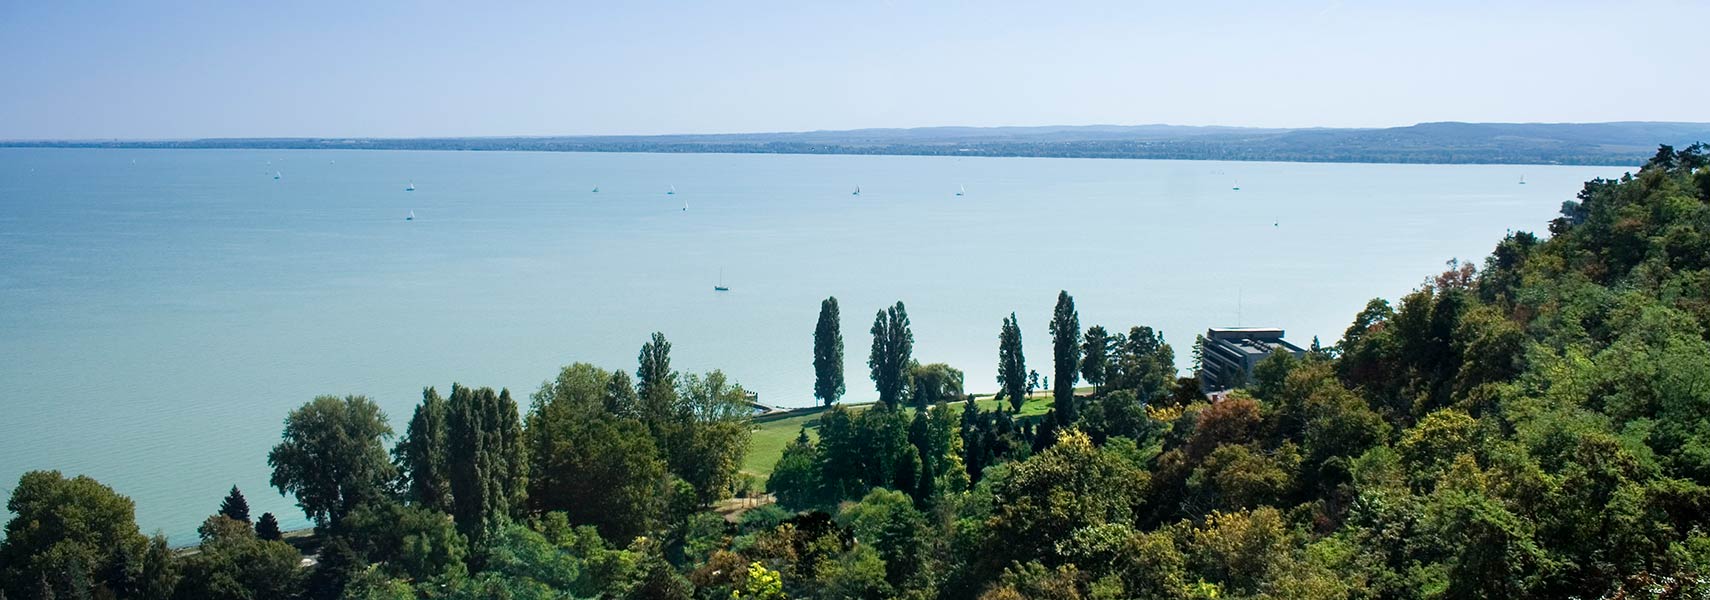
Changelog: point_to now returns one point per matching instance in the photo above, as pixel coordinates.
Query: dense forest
(1537, 426)
(1623, 143)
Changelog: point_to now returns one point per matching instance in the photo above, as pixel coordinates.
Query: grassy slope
(770, 436)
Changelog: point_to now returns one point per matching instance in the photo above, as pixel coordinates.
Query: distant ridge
(1618, 143)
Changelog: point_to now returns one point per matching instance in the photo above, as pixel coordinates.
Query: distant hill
(1622, 143)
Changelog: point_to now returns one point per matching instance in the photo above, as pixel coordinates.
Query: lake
(162, 310)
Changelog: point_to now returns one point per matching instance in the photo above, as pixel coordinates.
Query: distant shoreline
(1634, 163)
(1568, 144)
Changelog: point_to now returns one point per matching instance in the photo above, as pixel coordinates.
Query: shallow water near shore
(162, 310)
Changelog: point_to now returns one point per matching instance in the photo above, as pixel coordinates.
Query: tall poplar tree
(892, 354)
(828, 353)
(422, 455)
(488, 476)
(656, 384)
(1012, 366)
(1095, 352)
(1066, 351)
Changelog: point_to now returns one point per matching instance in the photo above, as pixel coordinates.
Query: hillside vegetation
(1533, 426)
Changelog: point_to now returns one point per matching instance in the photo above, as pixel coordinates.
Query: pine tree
(828, 383)
(1012, 365)
(235, 507)
(1066, 350)
(267, 527)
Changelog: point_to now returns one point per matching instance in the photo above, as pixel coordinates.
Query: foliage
(1066, 355)
(1012, 364)
(828, 383)
(235, 507)
(488, 474)
(332, 456)
(892, 354)
(74, 536)
(421, 454)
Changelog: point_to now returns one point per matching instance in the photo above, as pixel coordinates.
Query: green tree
(934, 383)
(332, 456)
(488, 475)
(656, 384)
(72, 535)
(620, 398)
(235, 507)
(1012, 365)
(603, 471)
(411, 542)
(160, 572)
(1095, 352)
(1044, 499)
(795, 478)
(707, 448)
(1066, 353)
(267, 527)
(231, 563)
(828, 353)
(893, 350)
(422, 454)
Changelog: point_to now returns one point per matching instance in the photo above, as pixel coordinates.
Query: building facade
(1230, 353)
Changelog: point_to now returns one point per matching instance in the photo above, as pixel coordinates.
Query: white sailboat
(720, 287)
(961, 191)
(1237, 185)
(277, 174)
(672, 191)
(411, 216)
(596, 189)
(857, 191)
(1522, 180)
(411, 187)
(685, 205)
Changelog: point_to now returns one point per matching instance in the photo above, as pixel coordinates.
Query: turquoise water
(162, 310)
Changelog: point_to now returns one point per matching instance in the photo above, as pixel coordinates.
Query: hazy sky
(233, 68)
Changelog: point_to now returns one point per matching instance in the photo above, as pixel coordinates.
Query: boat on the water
(857, 191)
(1522, 180)
(277, 174)
(411, 216)
(672, 191)
(720, 287)
(961, 191)
(411, 187)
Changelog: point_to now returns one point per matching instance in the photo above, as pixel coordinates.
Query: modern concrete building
(1230, 353)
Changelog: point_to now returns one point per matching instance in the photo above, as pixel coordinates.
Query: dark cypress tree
(267, 528)
(893, 352)
(422, 455)
(1066, 350)
(828, 383)
(235, 507)
(488, 477)
(1012, 365)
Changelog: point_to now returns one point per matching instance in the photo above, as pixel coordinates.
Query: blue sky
(398, 69)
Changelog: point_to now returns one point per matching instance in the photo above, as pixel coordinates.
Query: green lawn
(770, 436)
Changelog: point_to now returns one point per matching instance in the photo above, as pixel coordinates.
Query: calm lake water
(162, 310)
